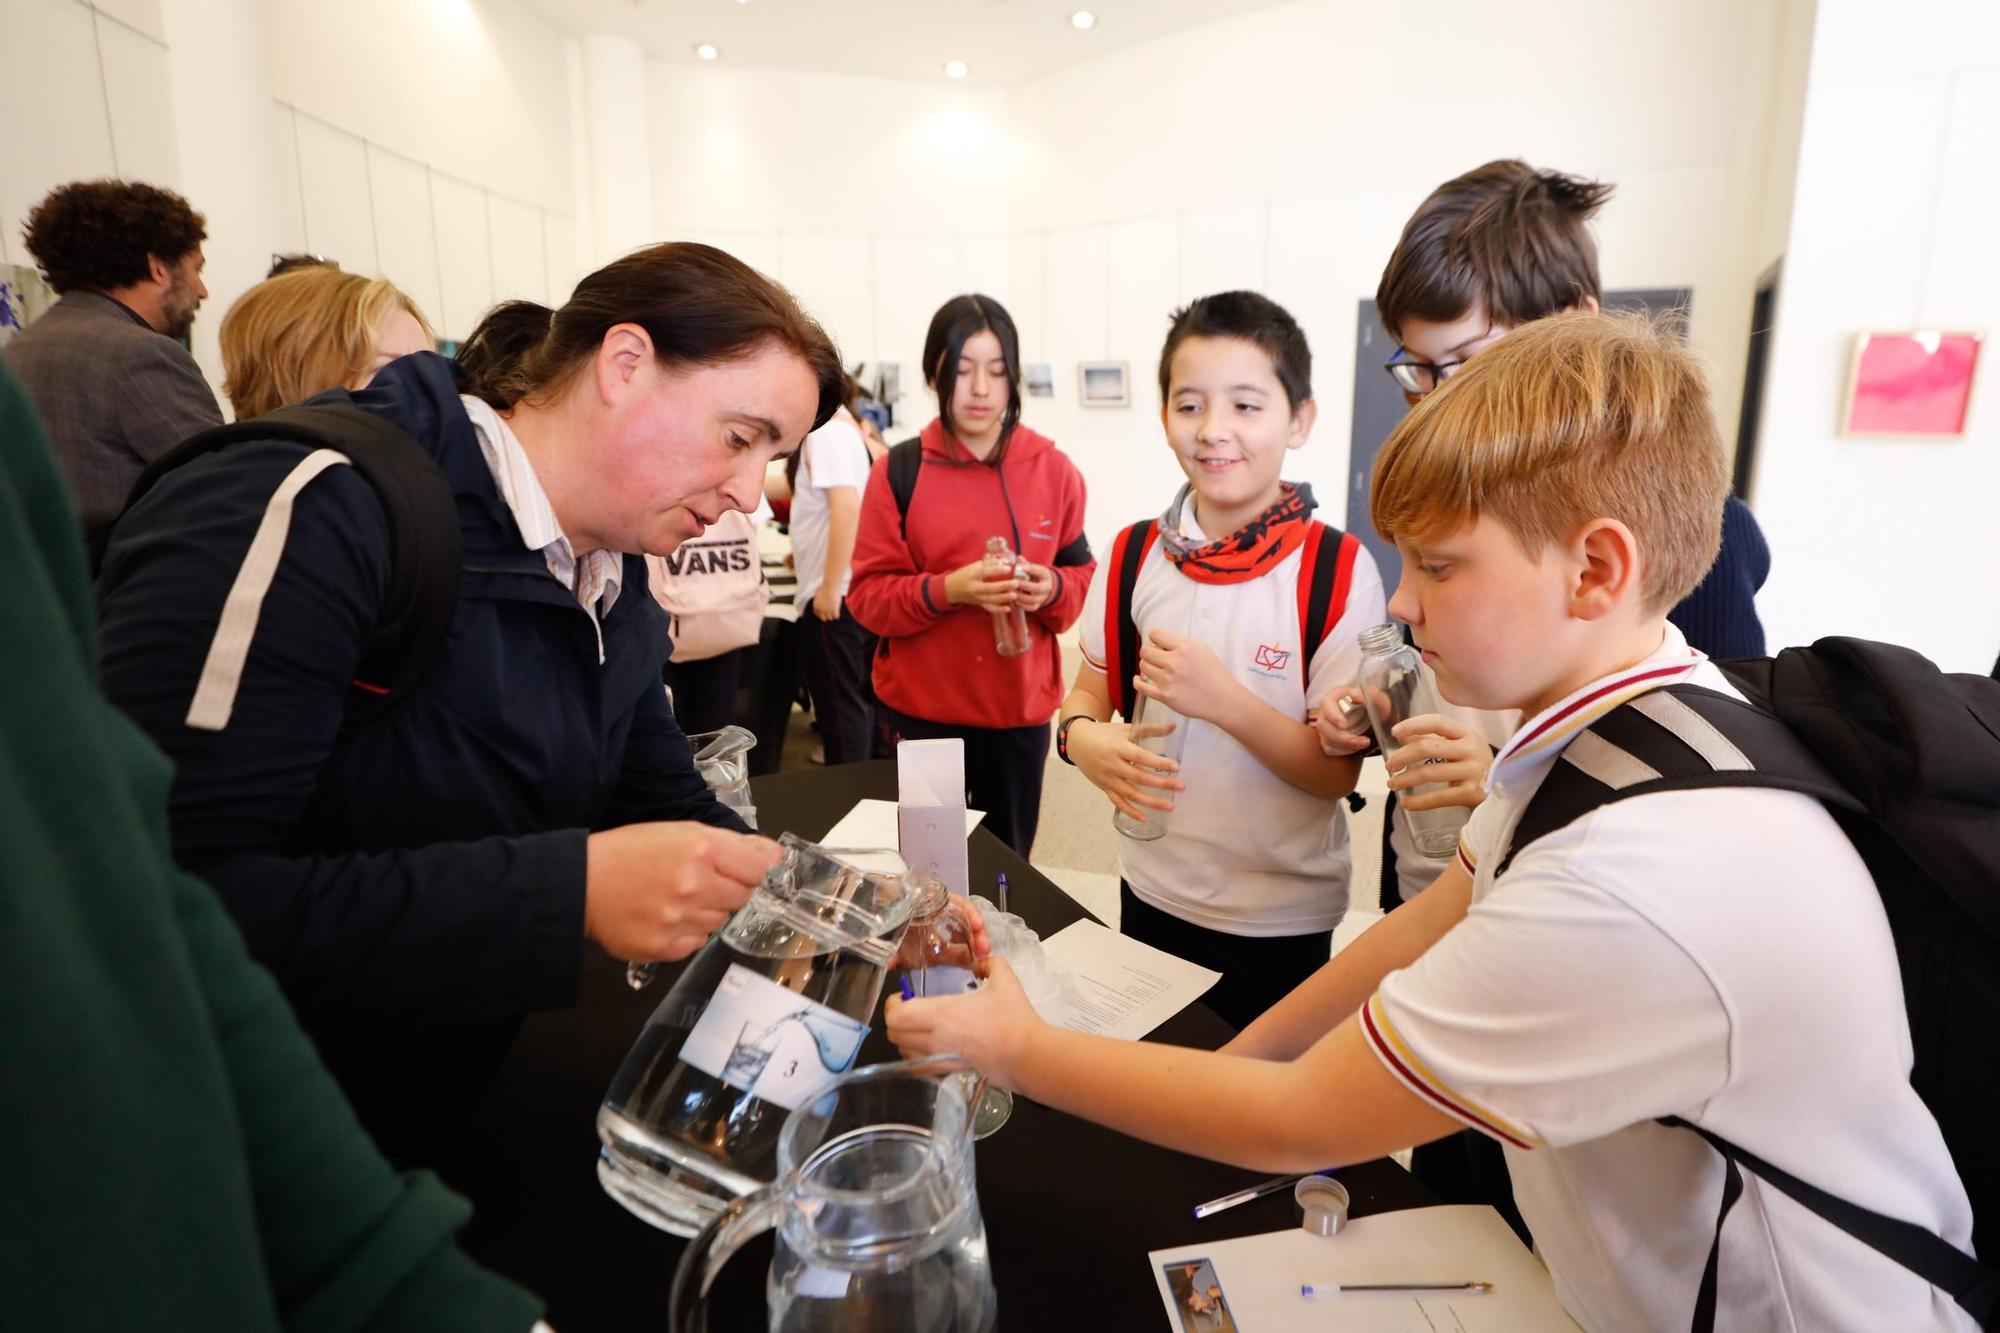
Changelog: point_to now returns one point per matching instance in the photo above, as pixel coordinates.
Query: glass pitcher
(773, 1008)
(876, 1212)
(723, 760)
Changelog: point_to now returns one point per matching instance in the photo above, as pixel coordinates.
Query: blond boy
(1718, 955)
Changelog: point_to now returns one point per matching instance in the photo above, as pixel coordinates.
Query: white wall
(1283, 150)
(87, 93)
(451, 175)
(1892, 228)
(874, 200)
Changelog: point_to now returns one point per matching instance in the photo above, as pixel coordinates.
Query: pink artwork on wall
(1911, 385)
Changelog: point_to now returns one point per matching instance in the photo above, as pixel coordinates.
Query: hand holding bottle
(1115, 759)
(1443, 758)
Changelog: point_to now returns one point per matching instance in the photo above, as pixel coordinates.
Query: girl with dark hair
(417, 876)
(921, 582)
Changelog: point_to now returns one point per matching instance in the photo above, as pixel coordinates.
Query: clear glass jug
(723, 760)
(773, 1008)
(876, 1213)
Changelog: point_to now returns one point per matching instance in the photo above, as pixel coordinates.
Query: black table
(1070, 1207)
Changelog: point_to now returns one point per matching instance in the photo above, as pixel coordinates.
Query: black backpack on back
(1907, 760)
(422, 512)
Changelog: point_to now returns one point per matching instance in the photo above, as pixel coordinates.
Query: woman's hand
(1440, 749)
(1109, 754)
(826, 603)
(991, 1026)
(1184, 674)
(658, 890)
(975, 585)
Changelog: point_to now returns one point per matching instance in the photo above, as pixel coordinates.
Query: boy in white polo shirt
(1717, 955)
(1239, 607)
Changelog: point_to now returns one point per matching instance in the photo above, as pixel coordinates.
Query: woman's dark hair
(1505, 236)
(700, 306)
(1255, 319)
(98, 235)
(957, 320)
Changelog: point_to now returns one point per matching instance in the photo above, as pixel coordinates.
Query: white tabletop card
(930, 772)
(1123, 988)
(1257, 1282)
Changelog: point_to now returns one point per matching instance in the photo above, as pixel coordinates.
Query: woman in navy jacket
(420, 879)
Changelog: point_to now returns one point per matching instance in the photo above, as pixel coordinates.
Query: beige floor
(1077, 848)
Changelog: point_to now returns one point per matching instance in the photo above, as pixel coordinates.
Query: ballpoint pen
(1003, 891)
(1256, 1191)
(1328, 1287)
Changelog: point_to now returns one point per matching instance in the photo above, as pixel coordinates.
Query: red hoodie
(937, 660)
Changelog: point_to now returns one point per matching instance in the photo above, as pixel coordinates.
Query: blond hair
(1567, 419)
(305, 331)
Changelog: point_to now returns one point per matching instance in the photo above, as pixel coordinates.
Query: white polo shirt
(833, 456)
(1246, 852)
(1718, 955)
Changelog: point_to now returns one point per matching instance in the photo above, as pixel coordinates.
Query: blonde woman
(311, 329)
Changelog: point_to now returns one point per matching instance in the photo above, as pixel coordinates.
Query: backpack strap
(422, 513)
(1686, 738)
(1323, 588)
(905, 461)
(1121, 632)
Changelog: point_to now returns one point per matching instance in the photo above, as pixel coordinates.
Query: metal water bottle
(1394, 687)
(1010, 627)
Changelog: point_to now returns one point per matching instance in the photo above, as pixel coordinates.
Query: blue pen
(1003, 890)
(908, 994)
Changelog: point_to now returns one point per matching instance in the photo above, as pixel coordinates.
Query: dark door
(1378, 406)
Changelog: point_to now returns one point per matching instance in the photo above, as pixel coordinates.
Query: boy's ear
(1606, 563)
(1303, 417)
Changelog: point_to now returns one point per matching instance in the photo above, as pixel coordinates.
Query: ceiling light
(1083, 19)
(955, 69)
(708, 51)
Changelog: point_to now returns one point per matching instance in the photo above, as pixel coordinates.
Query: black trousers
(1257, 971)
(1003, 769)
(839, 672)
(705, 691)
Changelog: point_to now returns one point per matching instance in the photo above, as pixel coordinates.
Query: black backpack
(1907, 760)
(423, 532)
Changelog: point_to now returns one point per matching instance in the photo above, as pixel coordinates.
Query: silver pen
(1256, 1191)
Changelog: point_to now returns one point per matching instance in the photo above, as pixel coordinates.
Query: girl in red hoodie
(920, 582)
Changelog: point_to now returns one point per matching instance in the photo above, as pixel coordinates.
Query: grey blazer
(114, 394)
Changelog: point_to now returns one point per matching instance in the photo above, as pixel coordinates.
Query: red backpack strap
(1121, 632)
(1326, 572)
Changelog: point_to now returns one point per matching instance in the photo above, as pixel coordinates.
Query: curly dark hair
(96, 235)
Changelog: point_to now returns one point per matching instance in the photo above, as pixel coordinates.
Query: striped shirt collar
(596, 578)
(1542, 737)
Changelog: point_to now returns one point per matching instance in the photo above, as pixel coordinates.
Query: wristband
(1062, 736)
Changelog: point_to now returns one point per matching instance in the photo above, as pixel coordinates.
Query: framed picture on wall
(1910, 386)
(1040, 377)
(1105, 383)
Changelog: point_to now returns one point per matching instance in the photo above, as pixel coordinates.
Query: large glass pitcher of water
(773, 1008)
(875, 1209)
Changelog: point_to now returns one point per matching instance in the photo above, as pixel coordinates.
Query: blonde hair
(1567, 419)
(305, 331)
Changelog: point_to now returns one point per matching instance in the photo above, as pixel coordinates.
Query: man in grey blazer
(104, 365)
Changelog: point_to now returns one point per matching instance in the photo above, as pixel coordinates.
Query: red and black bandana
(1253, 549)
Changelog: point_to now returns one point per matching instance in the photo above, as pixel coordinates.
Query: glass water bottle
(1169, 746)
(1395, 686)
(1010, 627)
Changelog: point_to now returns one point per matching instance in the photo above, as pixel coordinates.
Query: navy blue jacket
(416, 882)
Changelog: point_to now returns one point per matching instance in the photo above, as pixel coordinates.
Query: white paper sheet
(873, 824)
(1260, 1277)
(1123, 988)
(930, 772)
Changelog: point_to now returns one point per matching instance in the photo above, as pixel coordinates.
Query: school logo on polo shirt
(1272, 660)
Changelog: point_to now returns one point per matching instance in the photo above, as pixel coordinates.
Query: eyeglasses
(1420, 377)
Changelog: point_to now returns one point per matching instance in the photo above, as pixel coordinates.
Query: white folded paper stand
(930, 809)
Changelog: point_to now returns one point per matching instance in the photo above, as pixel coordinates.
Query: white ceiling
(1002, 41)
